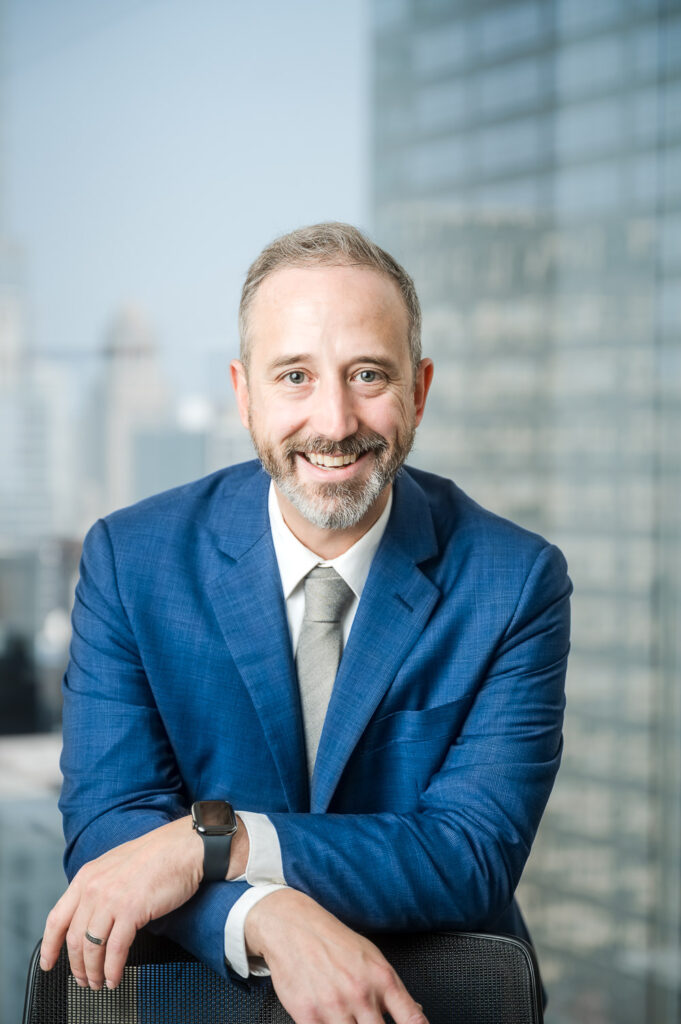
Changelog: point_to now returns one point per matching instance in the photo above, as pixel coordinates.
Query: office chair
(460, 977)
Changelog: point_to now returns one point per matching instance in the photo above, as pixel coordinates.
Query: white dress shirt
(264, 870)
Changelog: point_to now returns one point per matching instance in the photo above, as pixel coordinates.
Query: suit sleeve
(120, 775)
(456, 861)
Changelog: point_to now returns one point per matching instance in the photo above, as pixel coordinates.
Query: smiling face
(330, 396)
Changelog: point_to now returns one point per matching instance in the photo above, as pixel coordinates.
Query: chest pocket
(433, 725)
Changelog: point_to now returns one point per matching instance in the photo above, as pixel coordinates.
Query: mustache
(356, 444)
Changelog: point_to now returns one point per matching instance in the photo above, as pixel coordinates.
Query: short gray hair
(329, 244)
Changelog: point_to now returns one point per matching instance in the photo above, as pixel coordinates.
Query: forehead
(328, 301)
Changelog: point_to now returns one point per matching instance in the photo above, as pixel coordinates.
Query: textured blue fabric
(443, 733)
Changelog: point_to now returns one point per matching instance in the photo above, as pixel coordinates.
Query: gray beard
(336, 506)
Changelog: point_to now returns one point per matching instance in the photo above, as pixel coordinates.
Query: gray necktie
(320, 645)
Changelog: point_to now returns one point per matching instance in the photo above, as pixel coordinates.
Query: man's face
(330, 397)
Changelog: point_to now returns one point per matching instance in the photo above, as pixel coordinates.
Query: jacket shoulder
(182, 526)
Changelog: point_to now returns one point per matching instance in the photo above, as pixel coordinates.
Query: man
(399, 789)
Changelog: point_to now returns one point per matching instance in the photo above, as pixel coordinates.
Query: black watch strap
(216, 857)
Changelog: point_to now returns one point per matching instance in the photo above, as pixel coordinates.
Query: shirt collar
(295, 560)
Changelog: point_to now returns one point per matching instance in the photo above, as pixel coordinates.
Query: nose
(334, 415)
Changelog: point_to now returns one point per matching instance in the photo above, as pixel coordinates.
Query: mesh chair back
(458, 977)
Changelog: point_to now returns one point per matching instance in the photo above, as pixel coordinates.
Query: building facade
(527, 170)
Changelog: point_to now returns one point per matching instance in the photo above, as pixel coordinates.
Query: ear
(237, 372)
(424, 378)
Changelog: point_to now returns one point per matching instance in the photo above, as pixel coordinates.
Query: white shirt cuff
(264, 852)
(235, 941)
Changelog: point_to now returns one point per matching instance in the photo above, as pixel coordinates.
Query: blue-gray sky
(151, 147)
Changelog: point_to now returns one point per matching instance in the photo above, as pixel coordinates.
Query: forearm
(109, 830)
(402, 872)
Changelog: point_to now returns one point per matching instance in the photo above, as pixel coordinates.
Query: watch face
(214, 817)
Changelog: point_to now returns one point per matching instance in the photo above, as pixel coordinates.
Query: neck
(329, 544)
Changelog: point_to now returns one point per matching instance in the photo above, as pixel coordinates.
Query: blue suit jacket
(443, 733)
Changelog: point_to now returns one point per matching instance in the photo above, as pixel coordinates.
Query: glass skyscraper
(527, 171)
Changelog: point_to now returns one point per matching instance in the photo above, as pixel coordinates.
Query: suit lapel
(396, 603)
(249, 605)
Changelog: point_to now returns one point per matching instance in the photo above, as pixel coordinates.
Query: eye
(368, 376)
(295, 377)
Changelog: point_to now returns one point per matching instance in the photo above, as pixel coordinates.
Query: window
(671, 171)
(645, 51)
(440, 49)
(588, 128)
(586, 67)
(588, 189)
(442, 105)
(508, 146)
(671, 109)
(517, 85)
(510, 27)
(585, 15)
(644, 117)
(438, 162)
(519, 194)
(670, 240)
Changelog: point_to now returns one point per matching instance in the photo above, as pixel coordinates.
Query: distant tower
(12, 331)
(130, 396)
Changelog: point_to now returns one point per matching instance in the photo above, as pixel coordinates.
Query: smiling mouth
(329, 461)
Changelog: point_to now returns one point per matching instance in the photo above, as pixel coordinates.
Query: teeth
(328, 461)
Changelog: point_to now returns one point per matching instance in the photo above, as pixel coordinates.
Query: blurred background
(523, 160)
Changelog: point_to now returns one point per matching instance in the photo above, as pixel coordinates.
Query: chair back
(461, 977)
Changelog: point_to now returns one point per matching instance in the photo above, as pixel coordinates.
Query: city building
(130, 395)
(527, 168)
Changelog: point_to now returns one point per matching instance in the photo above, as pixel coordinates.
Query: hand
(322, 971)
(115, 895)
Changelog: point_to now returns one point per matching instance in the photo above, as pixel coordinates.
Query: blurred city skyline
(147, 152)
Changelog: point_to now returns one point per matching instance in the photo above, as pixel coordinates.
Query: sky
(150, 148)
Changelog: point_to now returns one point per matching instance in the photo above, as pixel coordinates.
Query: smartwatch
(215, 822)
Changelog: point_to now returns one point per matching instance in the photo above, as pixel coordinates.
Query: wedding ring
(97, 942)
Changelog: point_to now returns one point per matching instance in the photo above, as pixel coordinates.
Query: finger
(401, 1007)
(56, 927)
(75, 937)
(99, 926)
(370, 1017)
(118, 945)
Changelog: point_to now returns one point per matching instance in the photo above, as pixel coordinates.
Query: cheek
(389, 414)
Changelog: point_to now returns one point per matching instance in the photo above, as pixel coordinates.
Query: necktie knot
(327, 595)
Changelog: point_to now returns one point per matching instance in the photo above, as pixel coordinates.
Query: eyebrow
(278, 364)
(303, 357)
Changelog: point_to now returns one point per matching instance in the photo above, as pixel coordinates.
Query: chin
(340, 508)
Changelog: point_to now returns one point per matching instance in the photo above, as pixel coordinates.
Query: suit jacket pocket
(430, 725)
